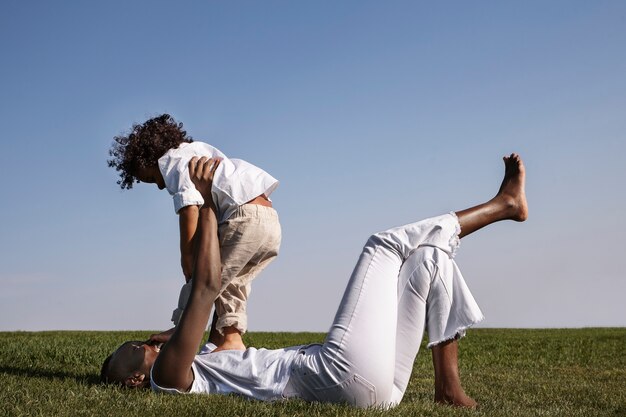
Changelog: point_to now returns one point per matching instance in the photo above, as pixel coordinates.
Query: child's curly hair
(144, 145)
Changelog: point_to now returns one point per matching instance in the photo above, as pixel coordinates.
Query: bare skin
(188, 222)
(172, 366)
(508, 204)
(448, 388)
(231, 340)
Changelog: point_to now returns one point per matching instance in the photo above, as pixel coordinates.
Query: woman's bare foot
(508, 204)
(512, 191)
(448, 388)
(456, 399)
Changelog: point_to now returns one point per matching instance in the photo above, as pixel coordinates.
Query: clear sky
(371, 114)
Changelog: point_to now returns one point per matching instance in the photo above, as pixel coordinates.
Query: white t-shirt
(235, 181)
(260, 374)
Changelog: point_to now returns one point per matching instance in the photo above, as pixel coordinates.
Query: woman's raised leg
(508, 204)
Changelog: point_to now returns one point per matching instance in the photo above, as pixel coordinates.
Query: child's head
(143, 146)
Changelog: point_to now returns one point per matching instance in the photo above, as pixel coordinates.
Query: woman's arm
(172, 368)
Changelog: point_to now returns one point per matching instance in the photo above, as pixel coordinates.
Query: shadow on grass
(52, 375)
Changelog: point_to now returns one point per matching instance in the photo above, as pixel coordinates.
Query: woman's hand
(201, 172)
(159, 338)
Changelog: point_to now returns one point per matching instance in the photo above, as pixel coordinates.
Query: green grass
(571, 372)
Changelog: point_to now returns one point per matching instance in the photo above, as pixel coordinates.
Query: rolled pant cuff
(237, 321)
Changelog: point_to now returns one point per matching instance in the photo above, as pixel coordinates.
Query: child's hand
(201, 171)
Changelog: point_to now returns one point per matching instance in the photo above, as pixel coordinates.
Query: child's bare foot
(231, 346)
(231, 340)
(457, 399)
(512, 193)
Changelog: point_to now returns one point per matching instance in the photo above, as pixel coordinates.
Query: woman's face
(134, 357)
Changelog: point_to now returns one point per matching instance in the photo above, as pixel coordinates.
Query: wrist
(208, 210)
(208, 204)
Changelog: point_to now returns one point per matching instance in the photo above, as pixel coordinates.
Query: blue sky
(371, 114)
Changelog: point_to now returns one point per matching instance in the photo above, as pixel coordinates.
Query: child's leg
(249, 241)
(231, 305)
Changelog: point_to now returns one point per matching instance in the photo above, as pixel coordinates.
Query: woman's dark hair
(144, 145)
(104, 372)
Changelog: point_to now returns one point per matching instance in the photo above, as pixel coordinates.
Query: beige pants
(249, 241)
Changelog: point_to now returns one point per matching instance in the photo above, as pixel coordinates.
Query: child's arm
(188, 222)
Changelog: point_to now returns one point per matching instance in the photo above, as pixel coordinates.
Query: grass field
(565, 372)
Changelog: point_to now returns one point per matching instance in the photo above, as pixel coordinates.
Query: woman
(405, 281)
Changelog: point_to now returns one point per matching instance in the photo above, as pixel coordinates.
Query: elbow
(215, 283)
(208, 293)
(212, 283)
(214, 286)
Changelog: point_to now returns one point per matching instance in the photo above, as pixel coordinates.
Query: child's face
(150, 175)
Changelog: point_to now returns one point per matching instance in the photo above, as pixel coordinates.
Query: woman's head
(143, 147)
(130, 365)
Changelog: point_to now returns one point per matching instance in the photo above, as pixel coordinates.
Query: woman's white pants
(404, 282)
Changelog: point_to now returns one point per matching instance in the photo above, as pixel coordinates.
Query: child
(158, 152)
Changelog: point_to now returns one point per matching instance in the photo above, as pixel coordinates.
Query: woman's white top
(235, 181)
(260, 374)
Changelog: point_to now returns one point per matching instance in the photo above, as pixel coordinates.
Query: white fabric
(235, 182)
(208, 348)
(254, 373)
(249, 241)
(404, 281)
